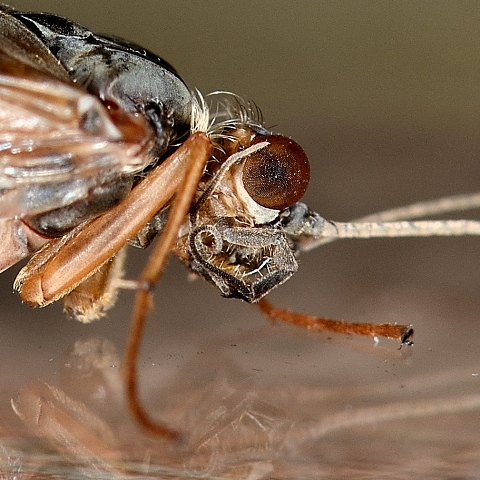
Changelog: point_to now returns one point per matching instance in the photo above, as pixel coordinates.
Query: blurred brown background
(385, 99)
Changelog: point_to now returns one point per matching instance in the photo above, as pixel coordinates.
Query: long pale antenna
(426, 228)
(393, 223)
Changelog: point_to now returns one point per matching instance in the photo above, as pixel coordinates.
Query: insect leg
(403, 333)
(98, 293)
(201, 152)
(18, 241)
(66, 262)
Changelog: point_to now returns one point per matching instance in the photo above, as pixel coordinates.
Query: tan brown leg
(403, 333)
(66, 262)
(91, 299)
(200, 153)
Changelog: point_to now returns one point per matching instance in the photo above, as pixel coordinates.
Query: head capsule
(235, 236)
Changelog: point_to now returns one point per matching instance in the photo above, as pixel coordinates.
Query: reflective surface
(386, 105)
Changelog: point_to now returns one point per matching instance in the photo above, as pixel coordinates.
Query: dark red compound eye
(276, 176)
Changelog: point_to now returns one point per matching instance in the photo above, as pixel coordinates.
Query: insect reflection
(103, 145)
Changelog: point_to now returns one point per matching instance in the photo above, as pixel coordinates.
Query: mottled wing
(52, 132)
